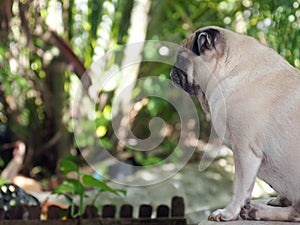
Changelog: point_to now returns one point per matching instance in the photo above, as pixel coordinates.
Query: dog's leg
(267, 212)
(247, 164)
(279, 201)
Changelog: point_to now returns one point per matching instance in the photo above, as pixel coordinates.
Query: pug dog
(253, 97)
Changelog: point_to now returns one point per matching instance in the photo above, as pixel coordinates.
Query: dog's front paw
(250, 212)
(222, 215)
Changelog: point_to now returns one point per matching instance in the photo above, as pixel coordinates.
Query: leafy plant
(70, 188)
(3, 181)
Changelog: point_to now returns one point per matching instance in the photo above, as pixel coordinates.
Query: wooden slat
(54, 212)
(108, 211)
(2, 213)
(107, 221)
(16, 212)
(90, 212)
(145, 211)
(91, 216)
(162, 211)
(142, 221)
(34, 212)
(177, 208)
(38, 222)
(126, 211)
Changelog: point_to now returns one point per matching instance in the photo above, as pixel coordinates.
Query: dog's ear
(205, 40)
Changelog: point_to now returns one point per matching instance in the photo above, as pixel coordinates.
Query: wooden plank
(54, 212)
(90, 212)
(162, 211)
(177, 208)
(91, 216)
(126, 211)
(34, 212)
(16, 212)
(107, 221)
(144, 221)
(40, 222)
(145, 211)
(110, 221)
(2, 213)
(109, 211)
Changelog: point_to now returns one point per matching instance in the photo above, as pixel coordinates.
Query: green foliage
(276, 23)
(31, 87)
(122, 21)
(3, 181)
(67, 166)
(70, 188)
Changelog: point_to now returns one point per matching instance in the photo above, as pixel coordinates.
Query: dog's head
(197, 60)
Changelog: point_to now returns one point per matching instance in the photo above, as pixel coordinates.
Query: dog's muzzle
(180, 78)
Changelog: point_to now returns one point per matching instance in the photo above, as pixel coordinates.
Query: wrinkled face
(198, 54)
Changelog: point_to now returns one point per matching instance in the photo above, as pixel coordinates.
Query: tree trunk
(5, 15)
(60, 142)
(132, 53)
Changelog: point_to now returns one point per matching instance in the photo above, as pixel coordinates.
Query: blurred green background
(46, 45)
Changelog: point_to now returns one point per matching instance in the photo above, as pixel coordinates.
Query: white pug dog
(253, 96)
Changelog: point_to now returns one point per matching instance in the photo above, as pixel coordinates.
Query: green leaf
(69, 199)
(3, 181)
(64, 188)
(7, 88)
(72, 186)
(106, 143)
(77, 186)
(93, 182)
(67, 166)
(121, 191)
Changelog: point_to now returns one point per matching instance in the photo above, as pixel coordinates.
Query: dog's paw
(280, 202)
(222, 215)
(250, 212)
